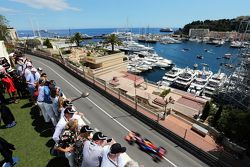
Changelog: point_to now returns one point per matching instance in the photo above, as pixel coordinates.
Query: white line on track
(97, 106)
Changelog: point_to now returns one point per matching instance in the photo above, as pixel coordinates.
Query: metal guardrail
(199, 153)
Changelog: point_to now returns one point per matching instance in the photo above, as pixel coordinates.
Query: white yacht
(171, 75)
(134, 46)
(184, 79)
(215, 82)
(164, 63)
(200, 81)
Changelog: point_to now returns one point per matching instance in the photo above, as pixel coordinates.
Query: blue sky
(64, 14)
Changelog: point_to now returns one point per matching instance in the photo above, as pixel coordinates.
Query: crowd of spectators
(73, 139)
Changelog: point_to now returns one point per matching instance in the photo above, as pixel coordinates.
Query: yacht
(237, 44)
(185, 78)
(166, 30)
(134, 47)
(164, 63)
(215, 82)
(200, 81)
(171, 75)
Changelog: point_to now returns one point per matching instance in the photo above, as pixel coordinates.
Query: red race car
(157, 153)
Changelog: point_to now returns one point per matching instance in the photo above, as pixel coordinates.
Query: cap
(33, 70)
(69, 110)
(117, 148)
(29, 64)
(39, 69)
(67, 103)
(99, 136)
(85, 129)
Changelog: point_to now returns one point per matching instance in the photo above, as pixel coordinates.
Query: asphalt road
(105, 116)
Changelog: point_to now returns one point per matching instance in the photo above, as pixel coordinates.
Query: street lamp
(135, 93)
(83, 95)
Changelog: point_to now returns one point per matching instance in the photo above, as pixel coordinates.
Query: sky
(65, 14)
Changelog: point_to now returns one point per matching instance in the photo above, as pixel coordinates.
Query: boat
(227, 56)
(171, 75)
(164, 63)
(169, 40)
(146, 40)
(166, 29)
(200, 81)
(133, 46)
(184, 79)
(199, 57)
(216, 81)
(237, 44)
(185, 49)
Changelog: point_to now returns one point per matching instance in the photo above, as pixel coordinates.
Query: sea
(182, 54)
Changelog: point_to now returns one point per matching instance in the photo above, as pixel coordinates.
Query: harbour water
(183, 54)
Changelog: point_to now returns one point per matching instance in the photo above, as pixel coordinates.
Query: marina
(169, 61)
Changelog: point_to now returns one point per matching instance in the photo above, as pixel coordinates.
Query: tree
(77, 38)
(32, 43)
(217, 116)
(47, 43)
(113, 39)
(206, 111)
(3, 27)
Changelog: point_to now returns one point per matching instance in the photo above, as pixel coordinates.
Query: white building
(194, 33)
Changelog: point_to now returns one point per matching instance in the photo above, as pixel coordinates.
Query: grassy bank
(31, 136)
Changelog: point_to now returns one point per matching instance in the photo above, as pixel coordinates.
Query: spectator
(6, 149)
(68, 114)
(40, 70)
(44, 75)
(35, 74)
(10, 87)
(92, 150)
(132, 163)
(40, 100)
(30, 80)
(4, 63)
(20, 67)
(7, 116)
(27, 71)
(17, 82)
(77, 115)
(66, 142)
(84, 135)
(55, 94)
(111, 156)
(48, 104)
(66, 104)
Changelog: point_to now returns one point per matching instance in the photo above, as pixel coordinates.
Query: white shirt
(107, 162)
(59, 128)
(92, 154)
(40, 97)
(62, 123)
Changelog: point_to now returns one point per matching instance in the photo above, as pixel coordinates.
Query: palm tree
(77, 38)
(113, 39)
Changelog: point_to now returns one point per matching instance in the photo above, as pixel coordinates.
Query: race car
(146, 145)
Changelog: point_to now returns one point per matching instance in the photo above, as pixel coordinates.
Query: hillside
(217, 25)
